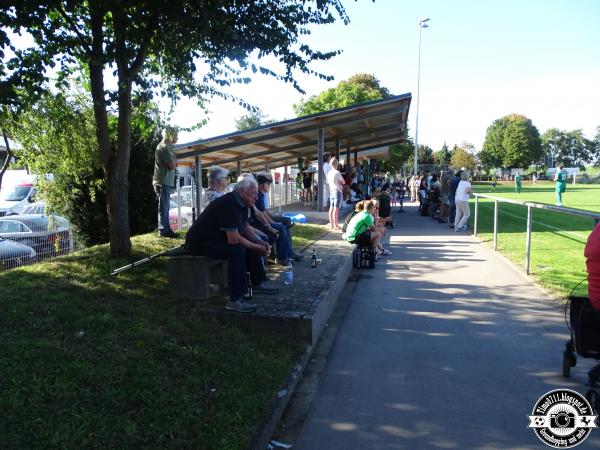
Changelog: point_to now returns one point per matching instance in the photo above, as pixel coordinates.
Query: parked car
(186, 217)
(34, 208)
(14, 198)
(14, 254)
(48, 235)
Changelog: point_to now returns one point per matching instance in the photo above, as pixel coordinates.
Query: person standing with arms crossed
(560, 179)
(163, 179)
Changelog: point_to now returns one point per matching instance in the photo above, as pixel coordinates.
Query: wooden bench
(191, 276)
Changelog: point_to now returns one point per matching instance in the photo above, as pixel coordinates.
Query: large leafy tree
(511, 141)
(595, 154)
(57, 137)
(357, 89)
(424, 156)
(175, 48)
(571, 148)
(462, 158)
(442, 157)
(253, 119)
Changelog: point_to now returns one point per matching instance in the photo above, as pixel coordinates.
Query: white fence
(530, 207)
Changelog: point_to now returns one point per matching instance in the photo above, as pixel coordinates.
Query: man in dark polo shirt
(222, 232)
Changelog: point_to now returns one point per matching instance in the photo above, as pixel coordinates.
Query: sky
(480, 60)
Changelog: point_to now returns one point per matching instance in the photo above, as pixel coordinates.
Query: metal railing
(530, 206)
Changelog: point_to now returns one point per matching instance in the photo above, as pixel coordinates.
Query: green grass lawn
(558, 239)
(93, 361)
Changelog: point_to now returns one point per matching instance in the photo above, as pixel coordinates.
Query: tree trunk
(117, 177)
(115, 164)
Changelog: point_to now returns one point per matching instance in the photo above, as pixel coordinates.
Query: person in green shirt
(494, 182)
(361, 222)
(163, 179)
(560, 180)
(518, 183)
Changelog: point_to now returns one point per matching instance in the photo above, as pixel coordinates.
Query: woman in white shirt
(463, 192)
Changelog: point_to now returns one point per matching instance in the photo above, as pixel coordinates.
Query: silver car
(14, 254)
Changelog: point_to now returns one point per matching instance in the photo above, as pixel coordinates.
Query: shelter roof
(358, 127)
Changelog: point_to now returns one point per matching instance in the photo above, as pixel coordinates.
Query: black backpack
(347, 220)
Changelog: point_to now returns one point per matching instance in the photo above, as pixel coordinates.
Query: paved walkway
(444, 346)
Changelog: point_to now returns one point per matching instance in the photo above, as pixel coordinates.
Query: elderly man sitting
(222, 232)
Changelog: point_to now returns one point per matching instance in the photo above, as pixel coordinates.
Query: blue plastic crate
(296, 217)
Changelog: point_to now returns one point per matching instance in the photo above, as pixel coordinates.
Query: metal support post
(528, 241)
(495, 225)
(476, 215)
(286, 183)
(348, 158)
(321, 181)
(178, 186)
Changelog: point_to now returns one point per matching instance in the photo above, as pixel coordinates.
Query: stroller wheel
(569, 360)
(593, 397)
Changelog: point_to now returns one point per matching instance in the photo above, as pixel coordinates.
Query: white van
(14, 198)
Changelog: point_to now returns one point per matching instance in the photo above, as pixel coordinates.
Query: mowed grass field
(558, 240)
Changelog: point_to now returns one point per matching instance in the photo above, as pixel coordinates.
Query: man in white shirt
(335, 182)
(326, 169)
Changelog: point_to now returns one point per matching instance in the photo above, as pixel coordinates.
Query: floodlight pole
(422, 24)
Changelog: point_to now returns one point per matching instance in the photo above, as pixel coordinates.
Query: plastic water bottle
(288, 274)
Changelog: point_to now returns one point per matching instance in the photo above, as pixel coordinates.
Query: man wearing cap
(275, 229)
(280, 223)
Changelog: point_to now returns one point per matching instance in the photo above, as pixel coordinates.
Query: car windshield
(14, 193)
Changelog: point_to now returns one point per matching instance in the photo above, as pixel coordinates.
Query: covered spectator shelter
(354, 129)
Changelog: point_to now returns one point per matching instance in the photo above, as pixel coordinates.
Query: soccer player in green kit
(560, 179)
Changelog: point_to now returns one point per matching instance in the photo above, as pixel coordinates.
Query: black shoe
(168, 234)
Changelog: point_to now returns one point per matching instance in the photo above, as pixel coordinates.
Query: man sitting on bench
(222, 232)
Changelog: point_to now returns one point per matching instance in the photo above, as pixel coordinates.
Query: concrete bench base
(191, 276)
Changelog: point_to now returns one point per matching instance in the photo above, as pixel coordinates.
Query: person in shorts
(335, 181)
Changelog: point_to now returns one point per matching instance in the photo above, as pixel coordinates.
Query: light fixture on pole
(422, 24)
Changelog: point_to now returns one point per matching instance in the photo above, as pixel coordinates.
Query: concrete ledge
(299, 311)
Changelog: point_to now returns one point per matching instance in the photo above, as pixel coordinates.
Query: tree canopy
(571, 148)
(253, 119)
(462, 158)
(175, 48)
(511, 141)
(358, 88)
